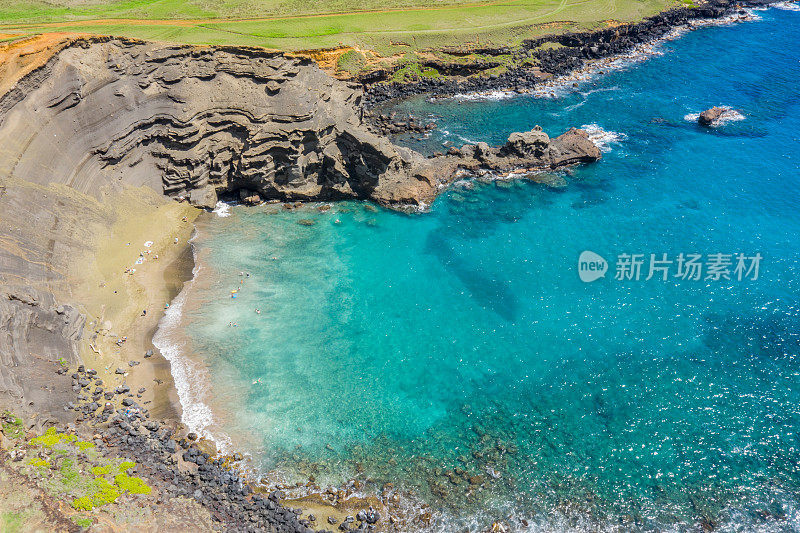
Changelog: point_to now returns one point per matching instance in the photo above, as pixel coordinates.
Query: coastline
(187, 381)
(557, 86)
(150, 217)
(315, 501)
(569, 53)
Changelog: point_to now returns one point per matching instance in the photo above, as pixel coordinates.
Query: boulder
(709, 116)
(529, 144)
(572, 147)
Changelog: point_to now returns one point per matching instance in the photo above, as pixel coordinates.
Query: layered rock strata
(194, 122)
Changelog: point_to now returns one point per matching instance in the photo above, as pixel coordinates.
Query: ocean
(457, 354)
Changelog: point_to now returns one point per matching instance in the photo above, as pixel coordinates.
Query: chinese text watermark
(684, 266)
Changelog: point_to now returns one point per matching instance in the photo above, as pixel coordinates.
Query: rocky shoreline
(561, 55)
(198, 122)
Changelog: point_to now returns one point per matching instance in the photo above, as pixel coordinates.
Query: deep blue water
(398, 348)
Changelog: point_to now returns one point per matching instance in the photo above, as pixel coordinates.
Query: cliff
(196, 121)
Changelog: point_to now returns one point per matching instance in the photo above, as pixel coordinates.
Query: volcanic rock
(709, 116)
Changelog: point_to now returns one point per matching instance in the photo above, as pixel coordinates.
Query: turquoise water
(399, 348)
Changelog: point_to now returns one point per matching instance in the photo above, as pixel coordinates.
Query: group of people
(235, 293)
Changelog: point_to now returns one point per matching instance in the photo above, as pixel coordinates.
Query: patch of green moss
(39, 462)
(351, 62)
(84, 503)
(134, 485)
(11, 522)
(409, 72)
(106, 493)
(70, 477)
(84, 445)
(429, 72)
(12, 426)
(82, 521)
(52, 437)
(101, 470)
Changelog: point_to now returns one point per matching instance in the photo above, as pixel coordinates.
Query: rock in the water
(709, 116)
(573, 146)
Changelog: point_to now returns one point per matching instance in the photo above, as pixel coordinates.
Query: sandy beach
(136, 267)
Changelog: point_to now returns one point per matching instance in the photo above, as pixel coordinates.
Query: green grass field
(388, 27)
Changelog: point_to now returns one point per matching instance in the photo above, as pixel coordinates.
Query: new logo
(591, 266)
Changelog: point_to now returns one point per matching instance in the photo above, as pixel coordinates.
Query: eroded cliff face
(196, 121)
(192, 121)
(34, 331)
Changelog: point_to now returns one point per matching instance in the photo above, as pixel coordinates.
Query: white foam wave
(485, 95)
(191, 380)
(787, 6)
(222, 209)
(601, 138)
(730, 115)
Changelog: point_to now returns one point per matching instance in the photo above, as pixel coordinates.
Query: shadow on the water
(487, 291)
(768, 338)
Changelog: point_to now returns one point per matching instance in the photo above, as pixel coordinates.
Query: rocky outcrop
(710, 116)
(195, 122)
(34, 332)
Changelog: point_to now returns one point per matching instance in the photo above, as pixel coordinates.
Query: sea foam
(190, 378)
(601, 138)
(222, 209)
(787, 6)
(561, 85)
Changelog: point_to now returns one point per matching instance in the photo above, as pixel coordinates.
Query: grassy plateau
(385, 27)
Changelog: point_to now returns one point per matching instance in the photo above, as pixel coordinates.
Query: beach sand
(113, 300)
